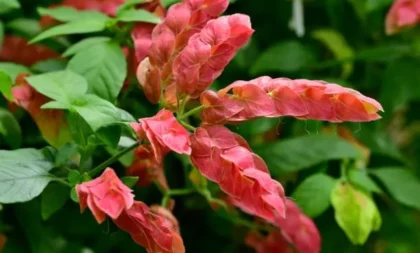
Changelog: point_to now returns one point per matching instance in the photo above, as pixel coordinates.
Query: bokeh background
(342, 42)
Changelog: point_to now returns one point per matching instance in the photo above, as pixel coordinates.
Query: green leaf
(73, 195)
(25, 26)
(49, 65)
(287, 56)
(104, 67)
(128, 5)
(303, 152)
(313, 194)
(355, 212)
(13, 69)
(53, 198)
(75, 27)
(6, 85)
(96, 111)
(373, 5)
(79, 129)
(401, 184)
(10, 129)
(84, 44)
(8, 5)
(130, 181)
(23, 174)
(1, 34)
(68, 14)
(62, 86)
(361, 179)
(74, 177)
(66, 153)
(110, 135)
(138, 15)
(338, 46)
(403, 74)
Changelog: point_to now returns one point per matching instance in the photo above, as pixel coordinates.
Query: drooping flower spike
(403, 14)
(182, 21)
(105, 196)
(225, 158)
(303, 99)
(153, 228)
(16, 49)
(51, 123)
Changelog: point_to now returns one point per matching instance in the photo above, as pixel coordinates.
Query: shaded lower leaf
(306, 151)
(361, 179)
(24, 173)
(313, 194)
(401, 184)
(10, 129)
(53, 198)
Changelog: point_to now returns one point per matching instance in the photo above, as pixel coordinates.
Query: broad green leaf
(130, 181)
(79, 129)
(128, 5)
(134, 15)
(104, 67)
(13, 69)
(6, 85)
(110, 135)
(25, 26)
(401, 184)
(373, 5)
(24, 173)
(84, 44)
(361, 179)
(96, 111)
(74, 27)
(62, 86)
(256, 127)
(49, 65)
(306, 151)
(355, 212)
(8, 5)
(313, 194)
(74, 177)
(338, 46)
(10, 129)
(67, 14)
(287, 56)
(67, 152)
(403, 74)
(53, 198)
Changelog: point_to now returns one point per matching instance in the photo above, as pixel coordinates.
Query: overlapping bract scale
(209, 52)
(303, 99)
(164, 134)
(225, 158)
(182, 21)
(153, 228)
(297, 233)
(403, 14)
(105, 195)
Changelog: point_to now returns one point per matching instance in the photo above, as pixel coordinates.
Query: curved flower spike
(164, 133)
(403, 14)
(303, 99)
(105, 195)
(209, 52)
(224, 158)
(182, 21)
(51, 123)
(152, 228)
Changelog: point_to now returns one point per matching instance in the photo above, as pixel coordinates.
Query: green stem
(63, 181)
(111, 160)
(343, 169)
(179, 192)
(183, 104)
(191, 112)
(186, 125)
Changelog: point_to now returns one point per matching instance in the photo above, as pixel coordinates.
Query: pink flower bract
(105, 195)
(153, 228)
(403, 14)
(164, 133)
